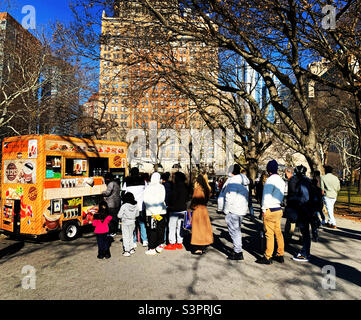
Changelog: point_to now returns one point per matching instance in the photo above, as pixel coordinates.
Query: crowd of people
(151, 210)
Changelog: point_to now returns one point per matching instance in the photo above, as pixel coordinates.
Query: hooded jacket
(154, 196)
(235, 194)
(127, 213)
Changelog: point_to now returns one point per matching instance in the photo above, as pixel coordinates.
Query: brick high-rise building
(136, 60)
(136, 91)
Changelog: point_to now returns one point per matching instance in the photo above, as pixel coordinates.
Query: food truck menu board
(82, 147)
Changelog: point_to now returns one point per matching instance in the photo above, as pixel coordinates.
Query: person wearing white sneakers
(154, 201)
(128, 213)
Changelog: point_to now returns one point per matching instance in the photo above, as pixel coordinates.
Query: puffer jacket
(235, 195)
(154, 196)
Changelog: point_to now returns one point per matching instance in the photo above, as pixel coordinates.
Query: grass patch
(343, 197)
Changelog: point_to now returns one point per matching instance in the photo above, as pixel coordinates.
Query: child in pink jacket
(101, 223)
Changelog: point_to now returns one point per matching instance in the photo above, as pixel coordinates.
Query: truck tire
(70, 231)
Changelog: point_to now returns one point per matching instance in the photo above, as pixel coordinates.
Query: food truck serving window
(76, 167)
(53, 167)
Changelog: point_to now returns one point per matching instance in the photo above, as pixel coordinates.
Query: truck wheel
(69, 232)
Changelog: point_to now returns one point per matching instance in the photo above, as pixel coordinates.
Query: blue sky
(47, 11)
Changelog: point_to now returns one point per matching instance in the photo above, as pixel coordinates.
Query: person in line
(291, 203)
(259, 189)
(236, 195)
(330, 186)
(273, 194)
(154, 200)
(112, 198)
(101, 223)
(317, 181)
(135, 184)
(177, 208)
(168, 189)
(250, 189)
(306, 211)
(128, 213)
(317, 207)
(202, 233)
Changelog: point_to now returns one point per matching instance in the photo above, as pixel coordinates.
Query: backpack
(303, 193)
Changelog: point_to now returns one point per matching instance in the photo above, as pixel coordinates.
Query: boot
(100, 254)
(107, 254)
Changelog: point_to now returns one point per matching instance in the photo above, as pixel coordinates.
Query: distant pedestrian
(112, 198)
(135, 184)
(317, 181)
(177, 208)
(236, 196)
(154, 200)
(330, 186)
(168, 189)
(128, 213)
(202, 233)
(101, 223)
(273, 194)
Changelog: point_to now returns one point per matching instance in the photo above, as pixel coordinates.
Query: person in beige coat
(202, 233)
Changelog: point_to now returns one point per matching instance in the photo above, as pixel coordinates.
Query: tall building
(60, 96)
(136, 56)
(19, 69)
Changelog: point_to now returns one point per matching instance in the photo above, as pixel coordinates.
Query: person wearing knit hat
(273, 194)
(272, 167)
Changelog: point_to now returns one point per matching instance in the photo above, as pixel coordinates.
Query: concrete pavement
(71, 271)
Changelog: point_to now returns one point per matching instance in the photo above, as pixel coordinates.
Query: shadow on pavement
(343, 271)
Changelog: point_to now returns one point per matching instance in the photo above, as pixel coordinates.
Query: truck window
(76, 167)
(98, 166)
(53, 167)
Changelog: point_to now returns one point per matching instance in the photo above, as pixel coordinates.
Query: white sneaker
(132, 251)
(159, 249)
(126, 254)
(151, 252)
(134, 245)
(145, 243)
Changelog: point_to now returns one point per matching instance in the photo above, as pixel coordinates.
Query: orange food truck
(54, 184)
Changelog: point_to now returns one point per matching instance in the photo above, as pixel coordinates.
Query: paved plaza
(71, 271)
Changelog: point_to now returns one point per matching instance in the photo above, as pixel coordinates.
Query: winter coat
(178, 198)
(101, 226)
(128, 213)
(202, 232)
(154, 196)
(136, 186)
(236, 195)
(112, 195)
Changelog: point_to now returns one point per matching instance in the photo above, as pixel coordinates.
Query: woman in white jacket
(234, 203)
(154, 197)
